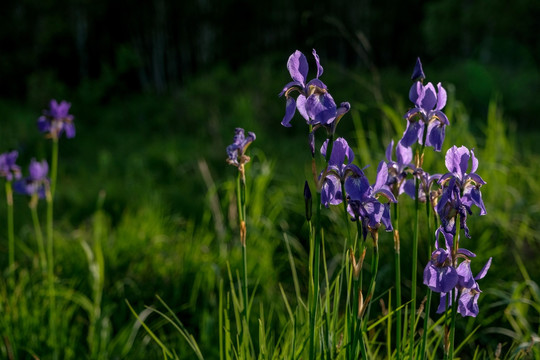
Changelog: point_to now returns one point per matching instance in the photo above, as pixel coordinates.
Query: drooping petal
(331, 191)
(435, 135)
(357, 187)
(465, 275)
(69, 127)
(298, 67)
(290, 109)
(468, 302)
(412, 133)
(318, 62)
(301, 106)
(440, 279)
(321, 108)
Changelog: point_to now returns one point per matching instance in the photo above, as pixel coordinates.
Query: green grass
(145, 207)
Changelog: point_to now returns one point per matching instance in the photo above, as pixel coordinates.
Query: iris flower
(314, 102)
(461, 190)
(37, 182)
(427, 113)
(57, 120)
(8, 168)
(339, 167)
(236, 151)
(363, 202)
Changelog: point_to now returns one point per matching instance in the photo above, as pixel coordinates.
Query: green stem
(11, 235)
(315, 294)
(414, 269)
(39, 236)
(50, 246)
(241, 196)
(455, 292)
(397, 260)
(428, 302)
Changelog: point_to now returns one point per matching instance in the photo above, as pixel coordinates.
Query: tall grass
(134, 245)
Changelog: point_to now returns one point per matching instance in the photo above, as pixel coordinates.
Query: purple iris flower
(37, 182)
(236, 151)
(339, 167)
(8, 168)
(398, 170)
(363, 202)
(468, 290)
(461, 190)
(426, 116)
(439, 274)
(57, 120)
(425, 187)
(314, 102)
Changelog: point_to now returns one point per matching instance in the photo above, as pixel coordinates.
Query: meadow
(145, 216)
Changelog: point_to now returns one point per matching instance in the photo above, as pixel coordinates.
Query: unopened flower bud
(308, 201)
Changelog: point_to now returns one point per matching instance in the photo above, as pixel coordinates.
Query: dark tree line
(155, 45)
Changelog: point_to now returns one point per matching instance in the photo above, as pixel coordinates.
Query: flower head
(37, 183)
(57, 120)
(363, 200)
(339, 167)
(427, 115)
(8, 168)
(398, 170)
(236, 151)
(461, 190)
(313, 102)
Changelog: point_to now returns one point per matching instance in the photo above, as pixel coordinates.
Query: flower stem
(455, 292)
(241, 196)
(429, 294)
(11, 235)
(414, 268)
(50, 246)
(315, 284)
(397, 260)
(39, 236)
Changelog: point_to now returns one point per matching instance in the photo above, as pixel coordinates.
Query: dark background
(489, 47)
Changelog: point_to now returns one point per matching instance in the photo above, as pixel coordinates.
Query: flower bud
(308, 201)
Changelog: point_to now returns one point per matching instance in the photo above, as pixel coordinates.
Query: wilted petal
(298, 67)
